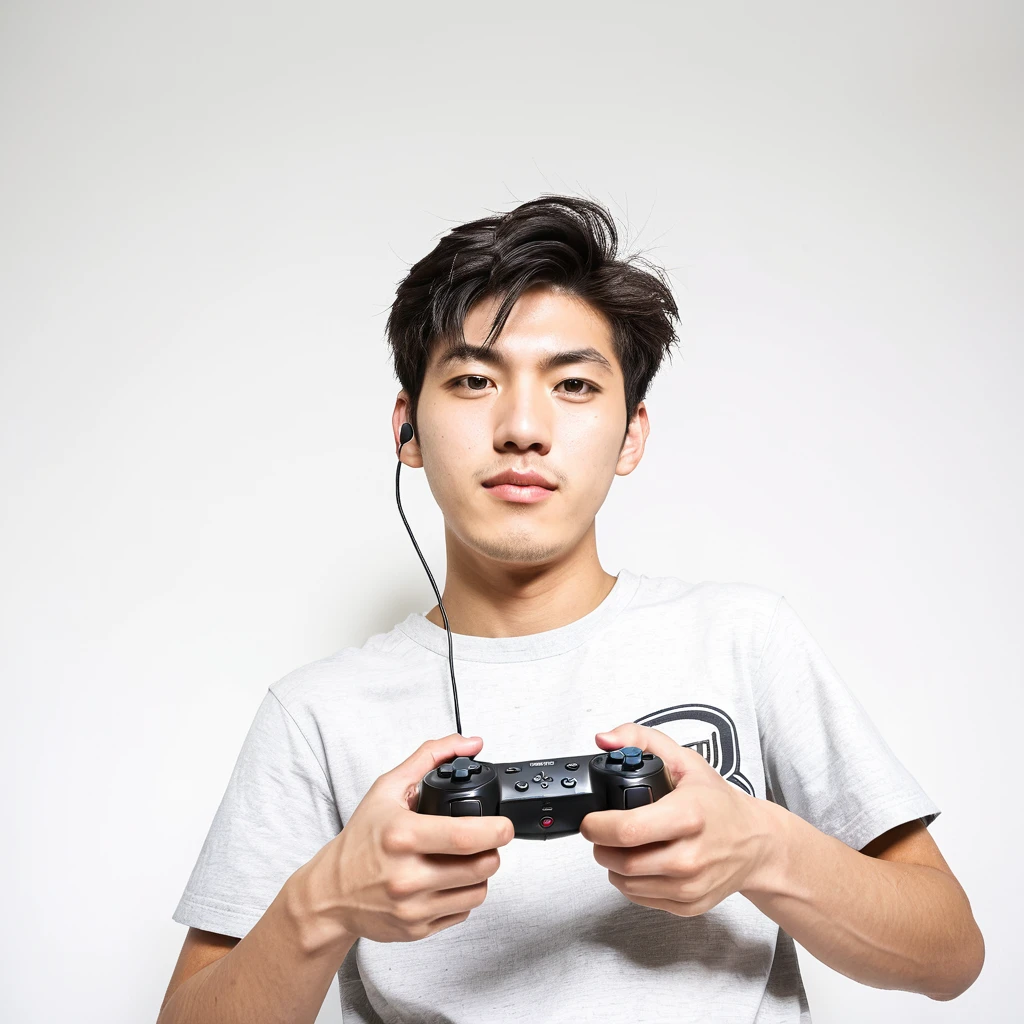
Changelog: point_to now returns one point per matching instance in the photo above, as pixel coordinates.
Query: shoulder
(710, 600)
(342, 677)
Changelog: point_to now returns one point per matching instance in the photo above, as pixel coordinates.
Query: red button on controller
(546, 822)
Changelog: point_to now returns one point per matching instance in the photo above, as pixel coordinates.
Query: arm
(892, 916)
(271, 975)
(391, 875)
(895, 919)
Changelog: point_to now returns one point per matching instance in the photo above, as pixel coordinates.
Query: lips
(517, 479)
(522, 488)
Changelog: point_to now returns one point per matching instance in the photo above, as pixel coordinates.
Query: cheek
(592, 451)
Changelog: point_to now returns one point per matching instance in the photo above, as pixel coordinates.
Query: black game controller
(545, 799)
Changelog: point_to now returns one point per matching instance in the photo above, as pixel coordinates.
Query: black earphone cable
(430, 576)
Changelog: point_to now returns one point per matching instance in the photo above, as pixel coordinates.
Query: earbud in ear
(405, 434)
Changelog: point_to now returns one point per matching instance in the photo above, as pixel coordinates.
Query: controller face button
(543, 785)
(616, 757)
(572, 766)
(511, 770)
(522, 786)
(466, 808)
(474, 768)
(546, 822)
(568, 783)
(445, 771)
(632, 762)
(538, 778)
(648, 757)
(460, 774)
(637, 796)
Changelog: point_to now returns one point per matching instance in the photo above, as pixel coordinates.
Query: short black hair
(562, 241)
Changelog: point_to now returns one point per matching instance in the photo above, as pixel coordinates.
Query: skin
(890, 916)
(514, 569)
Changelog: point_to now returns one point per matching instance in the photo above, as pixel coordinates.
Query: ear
(633, 446)
(410, 454)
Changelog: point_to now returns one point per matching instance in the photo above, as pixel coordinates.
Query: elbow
(960, 981)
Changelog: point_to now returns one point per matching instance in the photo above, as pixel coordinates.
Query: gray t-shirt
(725, 668)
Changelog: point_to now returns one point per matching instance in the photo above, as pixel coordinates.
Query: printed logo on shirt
(709, 731)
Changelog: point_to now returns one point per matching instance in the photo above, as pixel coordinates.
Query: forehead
(542, 322)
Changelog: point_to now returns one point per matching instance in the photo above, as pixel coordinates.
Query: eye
(575, 386)
(473, 382)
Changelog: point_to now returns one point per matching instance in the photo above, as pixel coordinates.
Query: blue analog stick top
(615, 757)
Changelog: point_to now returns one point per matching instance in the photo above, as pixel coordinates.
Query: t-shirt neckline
(532, 646)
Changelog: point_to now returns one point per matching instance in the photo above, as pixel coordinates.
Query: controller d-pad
(445, 771)
(616, 757)
(466, 763)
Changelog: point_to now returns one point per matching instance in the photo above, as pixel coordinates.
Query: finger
(653, 859)
(446, 922)
(681, 908)
(447, 871)
(648, 887)
(679, 760)
(454, 901)
(659, 822)
(670, 905)
(426, 758)
(438, 833)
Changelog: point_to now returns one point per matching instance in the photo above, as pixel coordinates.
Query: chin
(518, 549)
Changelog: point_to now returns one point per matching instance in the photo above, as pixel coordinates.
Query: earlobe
(407, 447)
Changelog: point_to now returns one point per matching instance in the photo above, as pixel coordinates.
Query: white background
(205, 209)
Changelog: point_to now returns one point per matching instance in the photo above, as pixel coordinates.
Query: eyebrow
(462, 353)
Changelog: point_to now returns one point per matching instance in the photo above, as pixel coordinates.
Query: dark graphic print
(718, 743)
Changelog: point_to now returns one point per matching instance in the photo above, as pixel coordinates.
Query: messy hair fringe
(565, 242)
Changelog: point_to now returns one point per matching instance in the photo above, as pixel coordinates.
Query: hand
(393, 875)
(689, 850)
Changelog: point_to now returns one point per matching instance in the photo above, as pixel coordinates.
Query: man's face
(545, 398)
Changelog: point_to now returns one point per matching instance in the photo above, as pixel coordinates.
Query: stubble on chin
(517, 546)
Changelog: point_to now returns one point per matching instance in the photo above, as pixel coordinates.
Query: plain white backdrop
(205, 210)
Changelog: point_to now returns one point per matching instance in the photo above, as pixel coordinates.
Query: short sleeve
(824, 758)
(277, 812)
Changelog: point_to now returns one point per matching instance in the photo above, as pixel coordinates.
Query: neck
(498, 599)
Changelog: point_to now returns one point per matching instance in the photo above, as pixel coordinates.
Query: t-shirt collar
(531, 646)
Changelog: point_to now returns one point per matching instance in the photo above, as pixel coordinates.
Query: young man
(525, 347)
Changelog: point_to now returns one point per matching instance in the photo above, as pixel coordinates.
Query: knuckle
(687, 866)
(690, 893)
(418, 930)
(401, 887)
(397, 839)
(407, 914)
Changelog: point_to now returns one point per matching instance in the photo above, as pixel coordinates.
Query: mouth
(525, 488)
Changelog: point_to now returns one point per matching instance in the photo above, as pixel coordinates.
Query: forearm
(279, 973)
(883, 923)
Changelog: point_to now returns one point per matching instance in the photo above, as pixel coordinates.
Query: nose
(523, 420)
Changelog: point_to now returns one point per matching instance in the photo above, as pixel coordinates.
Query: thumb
(405, 777)
(679, 760)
